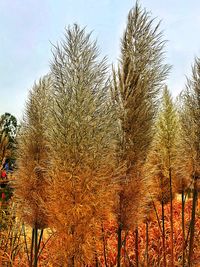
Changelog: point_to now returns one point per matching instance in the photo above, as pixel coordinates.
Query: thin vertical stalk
(32, 246)
(40, 238)
(192, 229)
(183, 226)
(36, 248)
(42, 248)
(119, 244)
(129, 261)
(73, 261)
(119, 232)
(136, 248)
(171, 219)
(163, 226)
(163, 235)
(96, 260)
(39, 243)
(16, 244)
(104, 246)
(147, 243)
(25, 241)
(158, 220)
(188, 235)
(124, 244)
(188, 232)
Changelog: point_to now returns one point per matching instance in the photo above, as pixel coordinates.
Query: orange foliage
(155, 240)
(109, 233)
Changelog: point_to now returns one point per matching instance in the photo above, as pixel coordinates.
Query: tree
(80, 148)
(8, 131)
(9, 126)
(4, 149)
(136, 84)
(190, 120)
(32, 163)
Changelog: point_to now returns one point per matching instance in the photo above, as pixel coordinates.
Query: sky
(28, 28)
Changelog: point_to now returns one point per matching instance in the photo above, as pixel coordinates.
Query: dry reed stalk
(136, 84)
(190, 139)
(81, 145)
(32, 163)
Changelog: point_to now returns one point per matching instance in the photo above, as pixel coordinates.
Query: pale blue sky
(28, 26)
